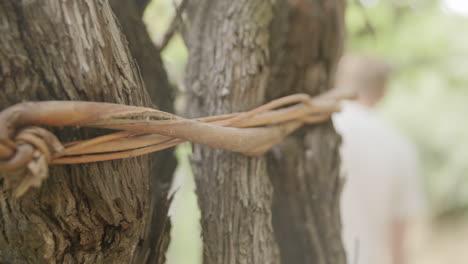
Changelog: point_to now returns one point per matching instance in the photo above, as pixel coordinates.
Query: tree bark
(243, 53)
(306, 43)
(228, 72)
(130, 16)
(92, 213)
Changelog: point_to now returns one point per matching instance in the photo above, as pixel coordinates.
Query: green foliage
(185, 246)
(429, 92)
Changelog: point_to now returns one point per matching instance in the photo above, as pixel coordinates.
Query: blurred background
(426, 42)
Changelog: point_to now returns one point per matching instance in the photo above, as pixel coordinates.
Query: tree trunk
(93, 213)
(147, 56)
(306, 43)
(243, 53)
(228, 72)
(130, 14)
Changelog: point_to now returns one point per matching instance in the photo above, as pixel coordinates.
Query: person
(382, 187)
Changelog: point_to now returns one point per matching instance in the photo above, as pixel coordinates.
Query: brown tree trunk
(228, 72)
(93, 213)
(243, 53)
(130, 16)
(306, 43)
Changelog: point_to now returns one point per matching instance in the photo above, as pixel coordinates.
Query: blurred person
(382, 190)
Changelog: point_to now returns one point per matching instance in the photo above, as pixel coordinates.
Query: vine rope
(27, 147)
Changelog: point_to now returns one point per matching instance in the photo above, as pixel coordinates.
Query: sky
(456, 6)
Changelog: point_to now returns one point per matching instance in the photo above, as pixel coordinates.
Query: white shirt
(382, 183)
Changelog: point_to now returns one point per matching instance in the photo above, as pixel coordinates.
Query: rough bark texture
(93, 213)
(306, 42)
(241, 54)
(228, 72)
(130, 16)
